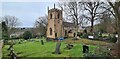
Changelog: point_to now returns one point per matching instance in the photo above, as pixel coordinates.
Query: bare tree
(11, 23)
(41, 25)
(109, 10)
(116, 8)
(0, 30)
(107, 23)
(92, 12)
(72, 11)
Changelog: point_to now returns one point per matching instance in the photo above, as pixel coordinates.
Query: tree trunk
(117, 16)
(118, 32)
(76, 32)
(92, 23)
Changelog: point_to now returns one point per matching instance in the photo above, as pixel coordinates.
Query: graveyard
(30, 48)
(66, 29)
(34, 48)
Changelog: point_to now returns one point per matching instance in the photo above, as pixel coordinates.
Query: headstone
(69, 46)
(85, 31)
(19, 41)
(11, 51)
(5, 41)
(42, 42)
(85, 49)
(11, 46)
(12, 54)
(32, 40)
(14, 41)
(57, 49)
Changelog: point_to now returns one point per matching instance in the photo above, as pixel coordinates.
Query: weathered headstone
(69, 46)
(32, 40)
(85, 49)
(42, 42)
(57, 49)
(5, 41)
(14, 41)
(11, 51)
(19, 42)
(12, 54)
(11, 46)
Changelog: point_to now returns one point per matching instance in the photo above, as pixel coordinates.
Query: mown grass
(0, 49)
(35, 49)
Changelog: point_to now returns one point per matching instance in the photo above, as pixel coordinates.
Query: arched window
(58, 16)
(50, 31)
(70, 31)
(50, 16)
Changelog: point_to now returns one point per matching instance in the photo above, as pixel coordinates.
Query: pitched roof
(68, 24)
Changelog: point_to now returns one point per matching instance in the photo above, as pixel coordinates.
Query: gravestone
(12, 54)
(11, 46)
(5, 41)
(14, 41)
(32, 40)
(42, 42)
(11, 51)
(19, 42)
(69, 46)
(57, 49)
(85, 49)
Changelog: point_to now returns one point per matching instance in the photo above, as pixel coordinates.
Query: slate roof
(68, 24)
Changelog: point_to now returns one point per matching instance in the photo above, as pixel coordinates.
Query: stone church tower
(54, 26)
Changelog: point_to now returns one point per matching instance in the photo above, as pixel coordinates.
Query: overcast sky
(26, 12)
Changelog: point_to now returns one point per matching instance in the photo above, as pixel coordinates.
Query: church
(56, 27)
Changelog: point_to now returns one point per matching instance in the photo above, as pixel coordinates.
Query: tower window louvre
(50, 16)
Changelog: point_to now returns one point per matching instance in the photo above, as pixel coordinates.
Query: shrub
(99, 52)
(79, 34)
(27, 35)
(113, 39)
(85, 35)
(5, 36)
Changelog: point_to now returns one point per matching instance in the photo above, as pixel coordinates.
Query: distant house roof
(68, 24)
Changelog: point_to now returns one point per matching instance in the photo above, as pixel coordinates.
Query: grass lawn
(0, 49)
(35, 49)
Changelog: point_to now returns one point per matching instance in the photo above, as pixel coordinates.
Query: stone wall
(55, 23)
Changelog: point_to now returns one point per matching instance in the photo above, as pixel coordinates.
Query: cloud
(1, 9)
(29, 0)
(27, 12)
